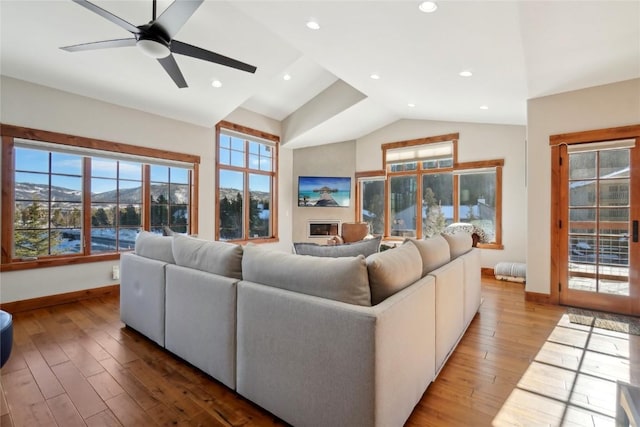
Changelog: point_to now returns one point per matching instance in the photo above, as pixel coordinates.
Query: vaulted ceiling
(515, 50)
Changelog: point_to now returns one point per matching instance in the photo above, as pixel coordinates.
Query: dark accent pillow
(363, 247)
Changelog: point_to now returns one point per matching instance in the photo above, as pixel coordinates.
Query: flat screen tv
(324, 191)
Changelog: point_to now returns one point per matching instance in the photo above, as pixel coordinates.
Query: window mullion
(86, 205)
(246, 202)
(146, 197)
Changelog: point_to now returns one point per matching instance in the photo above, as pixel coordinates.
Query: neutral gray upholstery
(220, 258)
(154, 246)
(287, 343)
(434, 252)
(317, 362)
(201, 321)
(472, 288)
(393, 270)
(340, 279)
(363, 247)
(142, 294)
(449, 308)
(459, 243)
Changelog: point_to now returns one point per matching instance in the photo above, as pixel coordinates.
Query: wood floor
(520, 363)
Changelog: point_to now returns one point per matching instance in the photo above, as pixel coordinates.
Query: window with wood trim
(426, 189)
(67, 201)
(246, 184)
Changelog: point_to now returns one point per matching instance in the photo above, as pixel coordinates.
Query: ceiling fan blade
(199, 53)
(175, 16)
(171, 67)
(109, 16)
(105, 44)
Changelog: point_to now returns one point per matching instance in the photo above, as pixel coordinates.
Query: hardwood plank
(83, 396)
(519, 363)
(49, 349)
(81, 358)
(43, 375)
(128, 412)
(134, 388)
(103, 419)
(64, 412)
(26, 404)
(104, 384)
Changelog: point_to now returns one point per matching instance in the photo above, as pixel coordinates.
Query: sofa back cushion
(340, 279)
(459, 243)
(220, 258)
(154, 246)
(362, 247)
(434, 252)
(393, 270)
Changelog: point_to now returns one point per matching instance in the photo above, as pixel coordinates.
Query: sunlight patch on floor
(572, 379)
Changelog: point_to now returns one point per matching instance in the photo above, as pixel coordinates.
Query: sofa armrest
(142, 295)
(449, 308)
(313, 361)
(201, 321)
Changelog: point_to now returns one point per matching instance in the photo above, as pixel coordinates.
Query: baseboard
(51, 300)
(538, 297)
(488, 272)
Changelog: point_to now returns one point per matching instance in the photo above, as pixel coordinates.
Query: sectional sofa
(317, 341)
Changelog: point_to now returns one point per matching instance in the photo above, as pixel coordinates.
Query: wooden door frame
(558, 144)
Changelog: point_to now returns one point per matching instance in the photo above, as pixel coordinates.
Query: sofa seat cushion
(459, 243)
(154, 246)
(393, 270)
(363, 247)
(220, 258)
(434, 252)
(340, 279)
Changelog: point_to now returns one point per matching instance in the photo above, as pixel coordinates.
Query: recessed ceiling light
(286, 77)
(484, 107)
(465, 73)
(312, 24)
(428, 6)
(411, 104)
(216, 83)
(375, 76)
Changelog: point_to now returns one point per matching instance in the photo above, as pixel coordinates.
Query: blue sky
(68, 169)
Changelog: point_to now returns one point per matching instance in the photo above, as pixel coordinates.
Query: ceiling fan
(155, 39)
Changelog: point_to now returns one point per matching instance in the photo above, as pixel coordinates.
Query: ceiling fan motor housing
(152, 42)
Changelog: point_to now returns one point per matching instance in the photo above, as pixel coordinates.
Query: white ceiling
(515, 49)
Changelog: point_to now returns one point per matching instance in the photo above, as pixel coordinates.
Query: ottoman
(6, 336)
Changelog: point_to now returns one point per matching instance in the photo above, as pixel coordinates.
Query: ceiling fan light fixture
(153, 48)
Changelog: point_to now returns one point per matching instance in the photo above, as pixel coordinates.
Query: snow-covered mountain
(27, 192)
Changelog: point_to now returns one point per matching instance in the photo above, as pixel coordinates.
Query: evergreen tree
(435, 221)
(100, 218)
(31, 234)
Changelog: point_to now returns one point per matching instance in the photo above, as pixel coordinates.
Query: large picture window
(246, 184)
(68, 202)
(425, 189)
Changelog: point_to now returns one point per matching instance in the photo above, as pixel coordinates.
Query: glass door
(601, 237)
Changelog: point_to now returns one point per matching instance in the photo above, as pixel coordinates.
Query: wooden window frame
(273, 206)
(10, 132)
(419, 172)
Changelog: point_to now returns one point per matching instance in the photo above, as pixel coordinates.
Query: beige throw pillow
(434, 252)
(393, 270)
(459, 243)
(220, 258)
(340, 279)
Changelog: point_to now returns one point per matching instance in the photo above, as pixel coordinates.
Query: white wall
(324, 160)
(39, 107)
(594, 108)
(477, 142)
